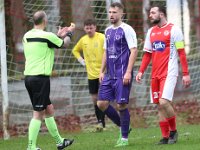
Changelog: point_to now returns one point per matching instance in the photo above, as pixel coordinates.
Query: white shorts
(162, 88)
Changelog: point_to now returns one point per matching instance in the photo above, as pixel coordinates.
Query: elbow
(135, 51)
(73, 52)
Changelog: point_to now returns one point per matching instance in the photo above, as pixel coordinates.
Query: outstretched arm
(66, 33)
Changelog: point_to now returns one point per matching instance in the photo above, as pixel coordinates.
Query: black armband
(69, 34)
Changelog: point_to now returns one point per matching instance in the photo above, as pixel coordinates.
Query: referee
(39, 54)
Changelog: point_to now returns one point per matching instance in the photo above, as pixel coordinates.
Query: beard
(155, 21)
(114, 21)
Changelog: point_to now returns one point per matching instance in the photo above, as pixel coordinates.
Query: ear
(123, 15)
(162, 14)
(45, 21)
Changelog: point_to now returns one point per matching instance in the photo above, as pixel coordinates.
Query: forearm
(67, 41)
(183, 61)
(145, 61)
(76, 52)
(132, 59)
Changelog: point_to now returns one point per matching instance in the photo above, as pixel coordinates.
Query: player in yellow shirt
(91, 45)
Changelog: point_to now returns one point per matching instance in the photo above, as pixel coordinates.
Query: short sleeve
(177, 37)
(54, 41)
(147, 42)
(105, 44)
(176, 34)
(130, 36)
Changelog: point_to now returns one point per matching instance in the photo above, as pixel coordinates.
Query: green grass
(139, 139)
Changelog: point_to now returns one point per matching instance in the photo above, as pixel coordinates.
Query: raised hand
(62, 31)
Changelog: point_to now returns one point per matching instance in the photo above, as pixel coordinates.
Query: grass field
(139, 139)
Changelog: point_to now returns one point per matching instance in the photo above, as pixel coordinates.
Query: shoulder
(49, 34)
(43, 34)
(29, 33)
(127, 28)
(150, 30)
(84, 37)
(33, 33)
(109, 28)
(99, 35)
(125, 25)
(175, 27)
(153, 28)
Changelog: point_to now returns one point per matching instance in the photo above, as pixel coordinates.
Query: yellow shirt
(92, 51)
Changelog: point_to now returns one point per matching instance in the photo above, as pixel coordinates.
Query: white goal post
(4, 80)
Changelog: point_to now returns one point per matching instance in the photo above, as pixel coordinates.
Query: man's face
(154, 15)
(115, 14)
(90, 30)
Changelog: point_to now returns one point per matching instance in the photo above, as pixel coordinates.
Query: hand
(138, 77)
(81, 61)
(62, 31)
(127, 78)
(101, 76)
(186, 81)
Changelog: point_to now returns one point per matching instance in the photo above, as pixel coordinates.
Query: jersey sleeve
(104, 44)
(178, 39)
(147, 43)
(177, 36)
(77, 49)
(54, 41)
(145, 61)
(130, 36)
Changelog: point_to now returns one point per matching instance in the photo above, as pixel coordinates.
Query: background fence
(69, 90)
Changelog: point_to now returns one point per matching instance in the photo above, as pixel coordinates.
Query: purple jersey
(119, 41)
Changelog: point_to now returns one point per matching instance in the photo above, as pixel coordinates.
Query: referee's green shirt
(39, 51)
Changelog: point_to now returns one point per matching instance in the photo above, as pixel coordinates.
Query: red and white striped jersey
(160, 41)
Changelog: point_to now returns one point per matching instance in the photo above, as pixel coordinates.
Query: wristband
(69, 34)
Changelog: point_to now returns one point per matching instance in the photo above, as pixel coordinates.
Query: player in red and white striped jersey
(163, 44)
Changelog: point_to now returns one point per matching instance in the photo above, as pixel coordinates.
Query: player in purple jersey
(116, 71)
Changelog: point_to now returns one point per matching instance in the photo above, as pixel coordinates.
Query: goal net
(69, 84)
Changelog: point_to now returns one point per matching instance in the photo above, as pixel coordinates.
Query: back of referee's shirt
(39, 51)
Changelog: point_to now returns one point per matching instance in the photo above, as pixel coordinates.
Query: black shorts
(38, 88)
(93, 86)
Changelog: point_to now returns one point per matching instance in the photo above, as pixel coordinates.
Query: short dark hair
(117, 4)
(161, 8)
(89, 22)
(39, 17)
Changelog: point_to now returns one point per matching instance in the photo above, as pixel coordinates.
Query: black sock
(100, 115)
